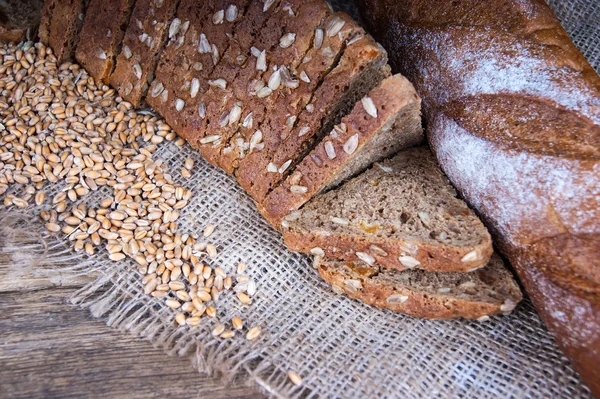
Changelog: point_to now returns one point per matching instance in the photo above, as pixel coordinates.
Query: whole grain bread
(361, 67)
(476, 295)
(286, 53)
(513, 116)
(144, 39)
(300, 80)
(402, 213)
(19, 19)
(385, 121)
(101, 36)
(65, 26)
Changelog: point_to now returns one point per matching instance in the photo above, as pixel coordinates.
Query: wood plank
(17, 275)
(52, 349)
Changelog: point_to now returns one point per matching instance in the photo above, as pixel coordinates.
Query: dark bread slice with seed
(45, 19)
(101, 36)
(382, 123)
(402, 213)
(144, 38)
(302, 22)
(361, 67)
(476, 295)
(19, 19)
(308, 73)
(65, 26)
(179, 64)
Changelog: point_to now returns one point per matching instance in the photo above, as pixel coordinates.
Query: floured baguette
(401, 213)
(476, 295)
(387, 120)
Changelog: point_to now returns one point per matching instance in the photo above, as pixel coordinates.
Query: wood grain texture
(52, 349)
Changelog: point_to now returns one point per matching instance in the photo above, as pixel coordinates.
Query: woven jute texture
(340, 347)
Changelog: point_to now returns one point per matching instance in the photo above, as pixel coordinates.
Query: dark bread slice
(301, 24)
(45, 19)
(65, 27)
(287, 104)
(101, 36)
(144, 38)
(19, 19)
(476, 295)
(361, 67)
(364, 136)
(178, 65)
(402, 213)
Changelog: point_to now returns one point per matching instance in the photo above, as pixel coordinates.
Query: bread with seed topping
(386, 120)
(290, 102)
(281, 66)
(144, 38)
(178, 65)
(65, 26)
(361, 67)
(477, 295)
(299, 17)
(101, 36)
(401, 213)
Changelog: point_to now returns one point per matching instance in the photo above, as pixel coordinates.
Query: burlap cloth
(340, 347)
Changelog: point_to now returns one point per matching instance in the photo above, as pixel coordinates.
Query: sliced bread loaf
(361, 67)
(286, 53)
(101, 36)
(476, 295)
(65, 26)
(402, 213)
(300, 82)
(144, 38)
(387, 120)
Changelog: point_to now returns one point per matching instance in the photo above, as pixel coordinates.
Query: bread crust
(394, 96)
(101, 37)
(252, 175)
(418, 304)
(154, 19)
(481, 68)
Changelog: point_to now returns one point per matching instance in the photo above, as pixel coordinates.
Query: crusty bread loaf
(402, 213)
(301, 23)
(476, 295)
(101, 36)
(363, 64)
(143, 41)
(316, 64)
(385, 121)
(513, 116)
(19, 19)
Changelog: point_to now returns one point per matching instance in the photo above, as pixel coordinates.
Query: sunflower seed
(396, 299)
(330, 150)
(127, 52)
(218, 17)
(408, 261)
(318, 42)
(369, 106)
(232, 13)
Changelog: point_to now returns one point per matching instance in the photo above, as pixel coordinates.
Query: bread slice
(387, 120)
(286, 103)
(301, 24)
(19, 19)
(45, 19)
(184, 67)
(402, 213)
(476, 295)
(361, 67)
(144, 38)
(101, 36)
(65, 26)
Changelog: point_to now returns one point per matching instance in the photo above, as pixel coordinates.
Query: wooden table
(52, 349)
